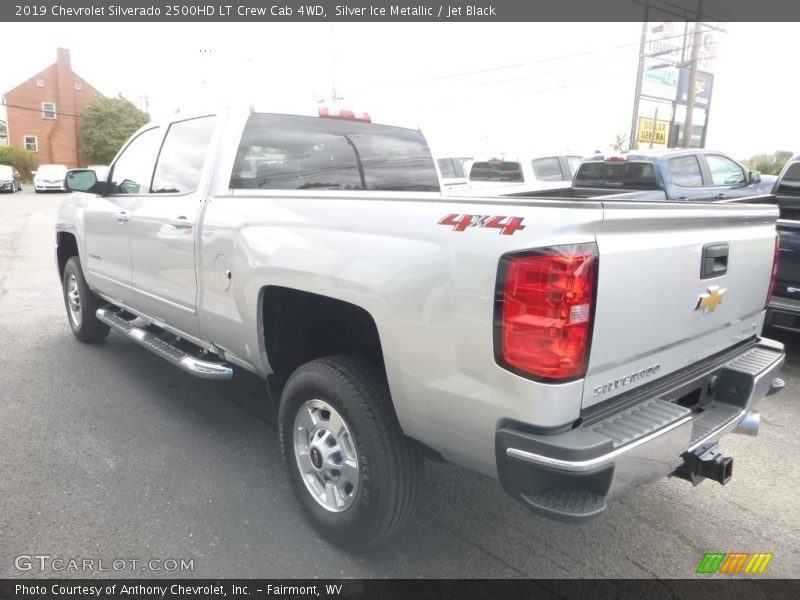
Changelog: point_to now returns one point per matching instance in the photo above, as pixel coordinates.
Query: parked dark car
(10, 181)
(784, 305)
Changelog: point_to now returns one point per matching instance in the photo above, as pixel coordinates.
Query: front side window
(133, 170)
(31, 143)
(547, 169)
(48, 110)
(685, 171)
(306, 153)
(724, 171)
(182, 154)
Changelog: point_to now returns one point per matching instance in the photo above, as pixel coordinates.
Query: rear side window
(547, 169)
(685, 171)
(633, 175)
(496, 171)
(182, 155)
(282, 152)
(790, 182)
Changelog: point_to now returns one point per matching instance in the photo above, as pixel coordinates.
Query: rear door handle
(121, 217)
(181, 223)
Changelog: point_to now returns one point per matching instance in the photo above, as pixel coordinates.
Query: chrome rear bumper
(570, 476)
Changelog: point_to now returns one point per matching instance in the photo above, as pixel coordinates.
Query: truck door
(108, 218)
(164, 234)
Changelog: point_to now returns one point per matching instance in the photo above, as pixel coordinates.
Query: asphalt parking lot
(108, 453)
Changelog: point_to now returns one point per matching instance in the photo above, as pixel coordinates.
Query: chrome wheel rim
(326, 456)
(74, 300)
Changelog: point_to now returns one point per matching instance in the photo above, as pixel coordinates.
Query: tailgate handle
(715, 260)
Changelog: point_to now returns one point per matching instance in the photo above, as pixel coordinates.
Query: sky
(474, 89)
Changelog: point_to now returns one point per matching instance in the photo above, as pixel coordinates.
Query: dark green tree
(769, 164)
(107, 124)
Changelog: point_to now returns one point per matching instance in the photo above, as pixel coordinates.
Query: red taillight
(546, 312)
(775, 260)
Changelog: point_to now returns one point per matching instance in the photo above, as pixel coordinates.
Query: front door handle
(121, 217)
(721, 196)
(181, 223)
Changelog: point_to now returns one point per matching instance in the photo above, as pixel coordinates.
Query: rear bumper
(571, 476)
(783, 313)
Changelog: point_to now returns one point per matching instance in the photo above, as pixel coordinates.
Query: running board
(195, 366)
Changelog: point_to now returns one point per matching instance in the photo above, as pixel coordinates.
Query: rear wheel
(355, 474)
(82, 304)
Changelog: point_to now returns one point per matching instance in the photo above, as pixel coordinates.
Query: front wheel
(82, 304)
(355, 474)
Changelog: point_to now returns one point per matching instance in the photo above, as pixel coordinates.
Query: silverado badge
(710, 299)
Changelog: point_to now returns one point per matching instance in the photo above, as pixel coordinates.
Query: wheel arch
(66, 248)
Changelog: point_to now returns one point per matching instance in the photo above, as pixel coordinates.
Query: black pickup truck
(784, 306)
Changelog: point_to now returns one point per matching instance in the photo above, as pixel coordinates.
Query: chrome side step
(197, 367)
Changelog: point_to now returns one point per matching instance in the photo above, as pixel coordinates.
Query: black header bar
(387, 11)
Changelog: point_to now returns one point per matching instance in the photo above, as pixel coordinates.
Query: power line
(510, 66)
(63, 114)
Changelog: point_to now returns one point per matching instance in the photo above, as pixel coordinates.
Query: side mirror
(33, 172)
(755, 177)
(81, 180)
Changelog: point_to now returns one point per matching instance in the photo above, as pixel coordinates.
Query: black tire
(81, 316)
(389, 467)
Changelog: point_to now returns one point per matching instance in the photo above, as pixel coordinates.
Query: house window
(39, 82)
(48, 110)
(78, 85)
(31, 143)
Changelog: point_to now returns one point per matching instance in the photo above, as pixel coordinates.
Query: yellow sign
(646, 131)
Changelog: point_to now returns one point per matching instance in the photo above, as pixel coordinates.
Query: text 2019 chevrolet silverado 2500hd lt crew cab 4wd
(571, 349)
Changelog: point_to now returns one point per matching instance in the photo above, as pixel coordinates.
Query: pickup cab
(666, 175)
(573, 350)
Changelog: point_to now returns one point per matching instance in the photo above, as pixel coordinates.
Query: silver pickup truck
(571, 349)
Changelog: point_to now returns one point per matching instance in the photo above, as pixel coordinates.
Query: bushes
(22, 160)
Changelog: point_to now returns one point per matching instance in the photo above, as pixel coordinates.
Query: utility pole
(690, 92)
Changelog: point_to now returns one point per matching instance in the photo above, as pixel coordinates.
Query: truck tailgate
(648, 320)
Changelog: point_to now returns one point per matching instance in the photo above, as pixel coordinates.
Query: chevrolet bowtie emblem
(711, 299)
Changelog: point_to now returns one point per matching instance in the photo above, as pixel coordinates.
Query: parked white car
(49, 178)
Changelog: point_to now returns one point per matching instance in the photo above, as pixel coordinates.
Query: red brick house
(43, 113)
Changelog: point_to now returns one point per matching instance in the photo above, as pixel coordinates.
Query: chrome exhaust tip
(750, 424)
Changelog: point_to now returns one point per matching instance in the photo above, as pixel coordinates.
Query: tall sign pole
(632, 144)
(697, 40)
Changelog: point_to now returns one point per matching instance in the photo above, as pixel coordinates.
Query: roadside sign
(702, 88)
(646, 131)
(659, 80)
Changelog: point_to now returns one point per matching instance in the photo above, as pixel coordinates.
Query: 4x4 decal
(506, 225)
